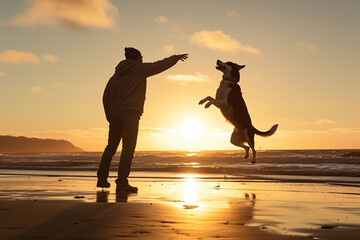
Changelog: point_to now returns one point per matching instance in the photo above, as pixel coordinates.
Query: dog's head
(230, 70)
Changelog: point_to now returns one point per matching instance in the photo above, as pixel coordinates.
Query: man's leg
(109, 152)
(130, 128)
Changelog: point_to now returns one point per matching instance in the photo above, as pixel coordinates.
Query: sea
(279, 165)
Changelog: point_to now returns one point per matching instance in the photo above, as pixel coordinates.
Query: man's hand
(182, 57)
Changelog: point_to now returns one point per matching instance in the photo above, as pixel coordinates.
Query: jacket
(126, 89)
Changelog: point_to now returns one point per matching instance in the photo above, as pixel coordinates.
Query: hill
(10, 144)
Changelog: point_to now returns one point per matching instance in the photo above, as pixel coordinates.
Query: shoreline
(170, 208)
(174, 176)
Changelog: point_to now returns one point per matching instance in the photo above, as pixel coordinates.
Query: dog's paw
(208, 105)
(253, 161)
(246, 156)
(202, 101)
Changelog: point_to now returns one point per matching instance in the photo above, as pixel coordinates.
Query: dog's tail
(268, 133)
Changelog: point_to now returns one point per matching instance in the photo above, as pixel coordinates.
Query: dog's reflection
(103, 196)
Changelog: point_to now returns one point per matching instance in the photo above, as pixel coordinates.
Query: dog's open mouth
(218, 67)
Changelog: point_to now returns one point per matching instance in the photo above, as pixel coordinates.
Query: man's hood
(124, 66)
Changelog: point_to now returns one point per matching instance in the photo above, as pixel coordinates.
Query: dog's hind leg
(238, 141)
(249, 137)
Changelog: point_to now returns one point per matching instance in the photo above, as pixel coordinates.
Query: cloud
(339, 130)
(100, 133)
(50, 58)
(37, 89)
(86, 133)
(161, 19)
(314, 131)
(320, 121)
(285, 133)
(307, 46)
(177, 29)
(258, 76)
(83, 133)
(217, 40)
(69, 13)
(232, 13)
(188, 78)
(347, 130)
(157, 132)
(169, 48)
(2, 74)
(323, 121)
(219, 133)
(60, 85)
(17, 57)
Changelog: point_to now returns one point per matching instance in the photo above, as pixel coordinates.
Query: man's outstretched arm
(162, 65)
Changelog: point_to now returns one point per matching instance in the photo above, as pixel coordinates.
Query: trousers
(124, 125)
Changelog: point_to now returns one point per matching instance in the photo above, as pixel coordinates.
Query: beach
(234, 120)
(60, 205)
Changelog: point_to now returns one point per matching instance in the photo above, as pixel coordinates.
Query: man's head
(133, 53)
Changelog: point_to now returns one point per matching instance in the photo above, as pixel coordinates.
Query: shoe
(103, 184)
(126, 188)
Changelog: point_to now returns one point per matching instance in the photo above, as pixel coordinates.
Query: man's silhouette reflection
(103, 196)
(123, 196)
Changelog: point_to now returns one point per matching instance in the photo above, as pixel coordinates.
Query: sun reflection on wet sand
(190, 194)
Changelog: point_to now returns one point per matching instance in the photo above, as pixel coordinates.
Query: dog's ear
(239, 66)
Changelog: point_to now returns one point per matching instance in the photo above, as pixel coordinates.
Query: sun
(191, 129)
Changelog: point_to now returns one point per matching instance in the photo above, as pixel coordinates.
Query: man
(123, 100)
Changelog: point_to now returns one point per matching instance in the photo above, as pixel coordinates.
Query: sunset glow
(300, 70)
(191, 130)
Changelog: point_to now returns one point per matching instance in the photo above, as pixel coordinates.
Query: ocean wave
(276, 162)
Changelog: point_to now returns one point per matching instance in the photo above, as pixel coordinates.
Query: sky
(301, 72)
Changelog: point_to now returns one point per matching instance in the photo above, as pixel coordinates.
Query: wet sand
(43, 207)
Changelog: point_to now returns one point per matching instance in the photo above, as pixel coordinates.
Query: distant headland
(11, 144)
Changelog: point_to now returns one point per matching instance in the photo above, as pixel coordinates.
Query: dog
(232, 105)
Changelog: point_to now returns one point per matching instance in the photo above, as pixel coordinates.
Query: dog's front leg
(209, 103)
(217, 103)
(208, 98)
